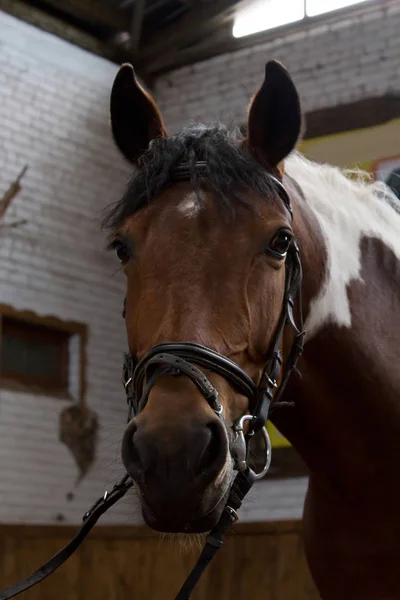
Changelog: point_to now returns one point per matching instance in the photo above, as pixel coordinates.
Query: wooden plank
(306, 589)
(9, 560)
(271, 564)
(289, 551)
(121, 569)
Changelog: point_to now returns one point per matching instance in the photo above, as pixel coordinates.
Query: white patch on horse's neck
(189, 205)
(347, 210)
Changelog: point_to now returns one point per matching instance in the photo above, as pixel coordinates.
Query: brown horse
(205, 262)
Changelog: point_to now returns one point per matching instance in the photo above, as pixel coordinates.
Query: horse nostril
(212, 451)
(130, 454)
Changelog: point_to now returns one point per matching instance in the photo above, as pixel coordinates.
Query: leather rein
(183, 359)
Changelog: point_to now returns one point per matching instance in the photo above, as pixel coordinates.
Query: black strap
(151, 381)
(176, 365)
(298, 342)
(187, 171)
(241, 486)
(190, 352)
(89, 520)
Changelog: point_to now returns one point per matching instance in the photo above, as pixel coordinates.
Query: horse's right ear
(135, 118)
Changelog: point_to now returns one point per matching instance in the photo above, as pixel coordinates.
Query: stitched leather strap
(191, 353)
(176, 366)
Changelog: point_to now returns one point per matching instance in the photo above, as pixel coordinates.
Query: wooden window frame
(71, 328)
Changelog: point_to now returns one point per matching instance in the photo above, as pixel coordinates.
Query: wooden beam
(361, 114)
(137, 23)
(355, 115)
(196, 25)
(127, 532)
(178, 58)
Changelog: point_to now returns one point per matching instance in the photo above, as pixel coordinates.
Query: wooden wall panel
(264, 561)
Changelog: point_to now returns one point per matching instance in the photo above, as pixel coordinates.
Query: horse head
(203, 234)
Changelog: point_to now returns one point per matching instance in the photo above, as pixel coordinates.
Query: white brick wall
(331, 64)
(54, 116)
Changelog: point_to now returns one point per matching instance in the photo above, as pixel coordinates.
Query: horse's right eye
(123, 252)
(280, 244)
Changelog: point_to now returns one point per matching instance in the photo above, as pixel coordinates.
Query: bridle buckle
(232, 513)
(242, 450)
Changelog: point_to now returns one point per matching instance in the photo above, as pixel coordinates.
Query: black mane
(231, 169)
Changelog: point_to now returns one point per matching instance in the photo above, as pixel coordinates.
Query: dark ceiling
(157, 35)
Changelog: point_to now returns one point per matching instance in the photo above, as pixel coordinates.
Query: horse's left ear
(135, 118)
(275, 123)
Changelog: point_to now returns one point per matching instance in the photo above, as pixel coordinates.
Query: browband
(184, 172)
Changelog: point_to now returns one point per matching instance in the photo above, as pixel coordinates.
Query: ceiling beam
(138, 13)
(213, 44)
(93, 11)
(199, 23)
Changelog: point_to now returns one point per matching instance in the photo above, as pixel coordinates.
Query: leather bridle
(184, 359)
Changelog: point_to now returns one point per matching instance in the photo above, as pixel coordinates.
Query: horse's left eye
(123, 252)
(280, 244)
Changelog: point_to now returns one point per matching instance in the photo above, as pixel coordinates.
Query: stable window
(266, 14)
(261, 15)
(41, 355)
(318, 7)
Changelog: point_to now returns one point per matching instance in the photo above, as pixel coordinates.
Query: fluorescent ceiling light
(318, 7)
(267, 14)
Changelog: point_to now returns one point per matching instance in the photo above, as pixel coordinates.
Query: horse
(204, 258)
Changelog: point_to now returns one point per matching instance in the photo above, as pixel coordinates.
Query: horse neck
(346, 401)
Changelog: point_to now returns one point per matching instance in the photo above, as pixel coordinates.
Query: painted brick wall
(54, 117)
(349, 59)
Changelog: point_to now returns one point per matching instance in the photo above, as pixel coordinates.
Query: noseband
(184, 359)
